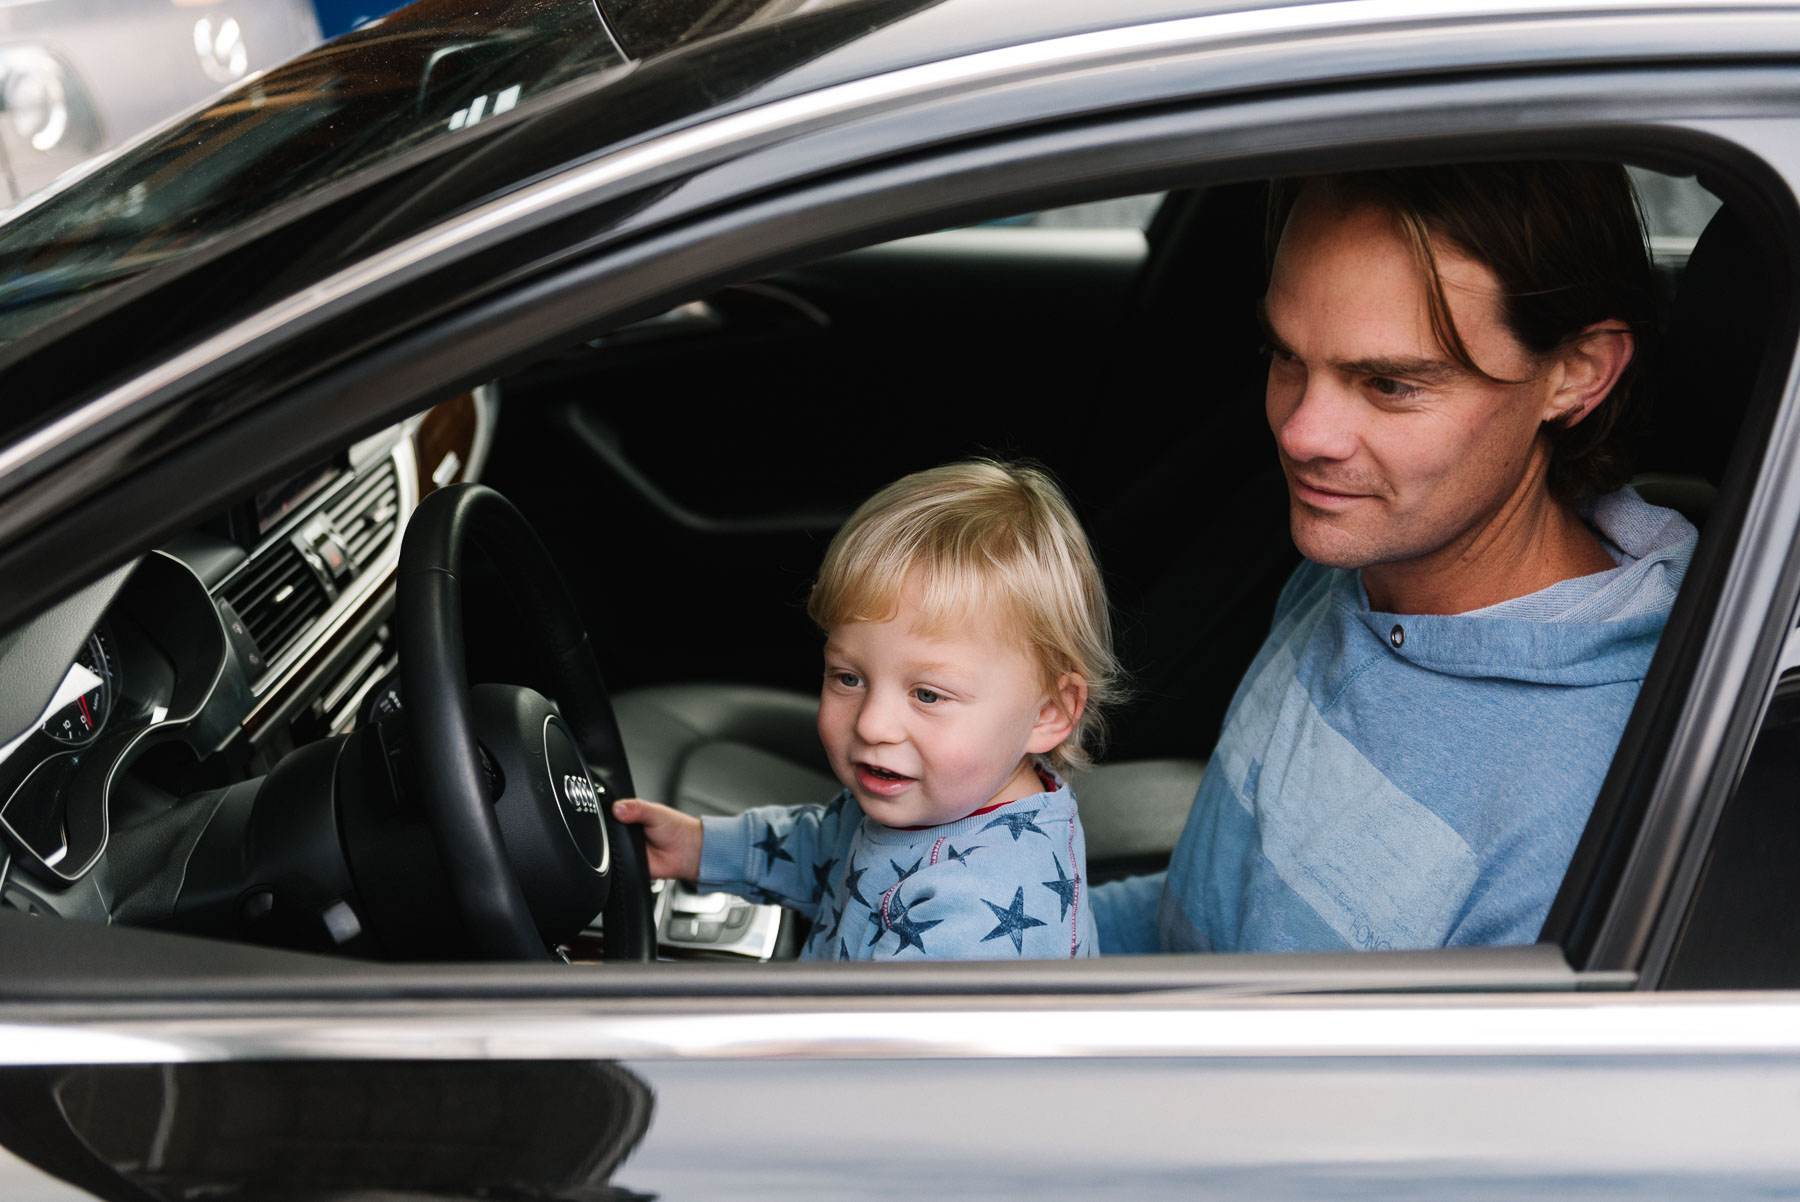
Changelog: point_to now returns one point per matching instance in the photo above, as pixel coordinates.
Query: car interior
(685, 472)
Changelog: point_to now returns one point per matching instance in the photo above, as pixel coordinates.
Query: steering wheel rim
(440, 723)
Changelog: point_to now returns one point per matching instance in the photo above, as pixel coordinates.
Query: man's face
(1394, 454)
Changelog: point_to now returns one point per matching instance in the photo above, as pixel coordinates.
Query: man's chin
(1330, 545)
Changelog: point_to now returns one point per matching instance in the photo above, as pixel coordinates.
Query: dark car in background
(684, 282)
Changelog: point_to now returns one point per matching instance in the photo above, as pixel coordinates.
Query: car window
(1125, 213)
(990, 319)
(1675, 207)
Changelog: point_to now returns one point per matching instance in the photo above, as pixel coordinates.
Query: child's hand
(671, 837)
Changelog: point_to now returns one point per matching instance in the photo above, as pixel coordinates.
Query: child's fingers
(637, 810)
(672, 838)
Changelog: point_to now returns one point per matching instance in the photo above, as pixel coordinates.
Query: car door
(1480, 1073)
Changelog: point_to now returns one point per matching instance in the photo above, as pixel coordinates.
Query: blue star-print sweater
(1006, 883)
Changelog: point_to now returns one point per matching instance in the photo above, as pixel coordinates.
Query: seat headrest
(1711, 353)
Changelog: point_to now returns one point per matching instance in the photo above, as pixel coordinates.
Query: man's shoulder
(1309, 587)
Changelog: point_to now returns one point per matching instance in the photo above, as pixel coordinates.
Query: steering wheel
(529, 866)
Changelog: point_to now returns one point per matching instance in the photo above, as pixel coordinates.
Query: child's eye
(927, 696)
(848, 680)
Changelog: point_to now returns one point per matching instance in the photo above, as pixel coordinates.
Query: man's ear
(1057, 716)
(1586, 370)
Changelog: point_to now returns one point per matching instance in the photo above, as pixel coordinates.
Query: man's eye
(927, 696)
(1391, 389)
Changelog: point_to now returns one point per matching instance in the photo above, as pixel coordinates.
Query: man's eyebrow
(1271, 339)
(1429, 371)
(1426, 370)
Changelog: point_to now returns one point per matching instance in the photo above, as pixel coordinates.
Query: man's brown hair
(1565, 240)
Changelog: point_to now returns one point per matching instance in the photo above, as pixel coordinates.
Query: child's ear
(1058, 714)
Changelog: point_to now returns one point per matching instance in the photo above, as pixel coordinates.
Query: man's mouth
(1313, 494)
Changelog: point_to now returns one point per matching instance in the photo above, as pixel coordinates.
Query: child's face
(928, 730)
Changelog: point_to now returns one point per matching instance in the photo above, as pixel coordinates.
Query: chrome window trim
(747, 128)
(1628, 1025)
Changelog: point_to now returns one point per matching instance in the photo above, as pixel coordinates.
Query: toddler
(967, 651)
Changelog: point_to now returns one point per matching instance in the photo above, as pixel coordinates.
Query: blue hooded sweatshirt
(1406, 781)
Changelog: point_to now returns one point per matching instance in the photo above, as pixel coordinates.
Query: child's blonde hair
(982, 534)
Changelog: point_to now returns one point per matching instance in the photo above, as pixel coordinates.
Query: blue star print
(771, 846)
(839, 870)
(852, 879)
(1013, 920)
(822, 878)
(1018, 824)
(902, 923)
(1063, 886)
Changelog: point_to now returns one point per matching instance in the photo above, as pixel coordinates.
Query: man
(1414, 751)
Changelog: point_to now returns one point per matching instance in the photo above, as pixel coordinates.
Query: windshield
(426, 73)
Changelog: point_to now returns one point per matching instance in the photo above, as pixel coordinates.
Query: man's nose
(1315, 418)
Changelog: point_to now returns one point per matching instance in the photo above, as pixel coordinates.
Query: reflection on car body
(221, 906)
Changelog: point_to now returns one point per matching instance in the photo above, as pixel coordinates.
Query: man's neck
(1528, 546)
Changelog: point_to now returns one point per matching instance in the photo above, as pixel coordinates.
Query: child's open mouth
(881, 781)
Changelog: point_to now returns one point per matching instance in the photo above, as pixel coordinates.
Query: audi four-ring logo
(580, 793)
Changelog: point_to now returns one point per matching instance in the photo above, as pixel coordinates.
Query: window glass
(1121, 213)
(1676, 208)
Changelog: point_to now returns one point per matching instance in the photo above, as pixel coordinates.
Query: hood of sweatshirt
(1596, 629)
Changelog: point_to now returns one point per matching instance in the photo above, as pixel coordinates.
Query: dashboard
(189, 674)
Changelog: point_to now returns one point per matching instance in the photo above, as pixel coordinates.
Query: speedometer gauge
(90, 684)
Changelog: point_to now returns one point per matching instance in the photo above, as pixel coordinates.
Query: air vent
(368, 513)
(277, 596)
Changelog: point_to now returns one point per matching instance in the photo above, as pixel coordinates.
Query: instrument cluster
(197, 668)
(141, 675)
